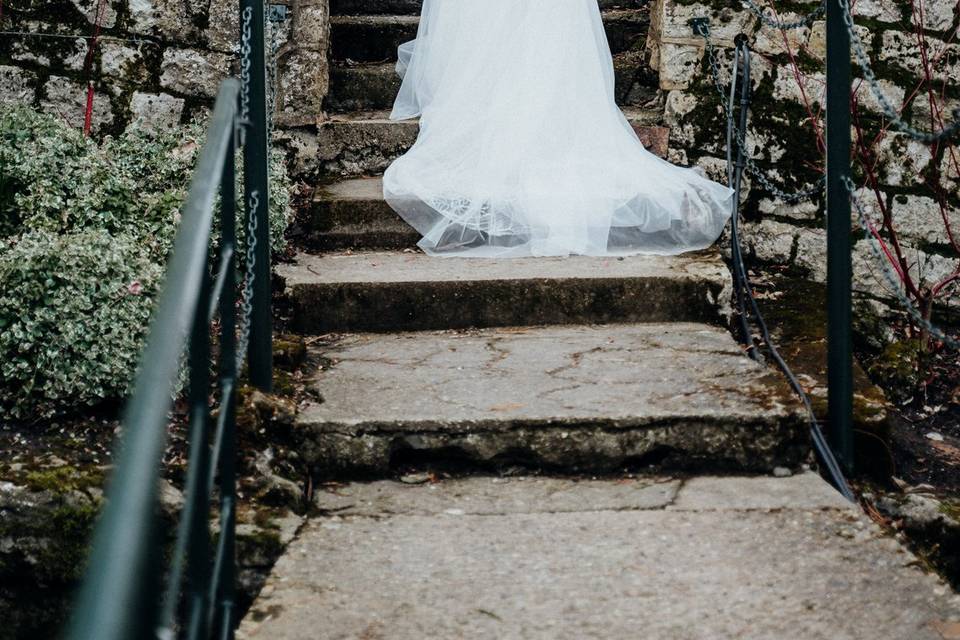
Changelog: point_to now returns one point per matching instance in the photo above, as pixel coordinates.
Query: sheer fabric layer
(522, 148)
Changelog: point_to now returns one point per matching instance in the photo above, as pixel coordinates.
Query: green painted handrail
(120, 598)
(839, 252)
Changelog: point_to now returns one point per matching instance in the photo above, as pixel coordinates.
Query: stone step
(375, 38)
(412, 7)
(714, 558)
(352, 214)
(576, 399)
(388, 291)
(366, 142)
(371, 86)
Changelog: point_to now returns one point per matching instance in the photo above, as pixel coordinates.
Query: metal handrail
(119, 598)
(839, 247)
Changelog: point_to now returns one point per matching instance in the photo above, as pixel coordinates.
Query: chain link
(246, 49)
(805, 21)
(253, 205)
(703, 28)
(273, 32)
(246, 303)
(863, 60)
(889, 275)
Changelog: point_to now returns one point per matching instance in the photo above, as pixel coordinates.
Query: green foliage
(52, 178)
(74, 309)
(86, 230)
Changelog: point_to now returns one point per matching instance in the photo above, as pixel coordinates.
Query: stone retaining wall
(159, 62)
(782, 138)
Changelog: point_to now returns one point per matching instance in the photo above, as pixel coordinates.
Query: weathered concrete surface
(491, 558)
(382, 291)
(574, 398)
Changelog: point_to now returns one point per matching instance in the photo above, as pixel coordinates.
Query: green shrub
(74, 310)
(80, 222)
(54, 179)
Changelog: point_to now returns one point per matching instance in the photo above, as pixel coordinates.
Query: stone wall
(782, 138)
(158, 63)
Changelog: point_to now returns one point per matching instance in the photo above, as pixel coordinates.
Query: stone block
(902, 160)
(867, 99)
(90, 8)
(920, 219)
(880, 10)
(192, 72)
(939, 15)
(173, 19)
(68, 99)
(154, 112)
(223, 32)
(17, 86)
(120, 60)
(900, 48)
(678, 64)
(809, 88)
(769, 240)
(311, 26)
(303, 82)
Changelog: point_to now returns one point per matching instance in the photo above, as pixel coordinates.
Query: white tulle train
(522, 148)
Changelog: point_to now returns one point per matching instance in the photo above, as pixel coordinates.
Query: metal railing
(120, 598)
(842, 40)
(839, 247)
(127, 592)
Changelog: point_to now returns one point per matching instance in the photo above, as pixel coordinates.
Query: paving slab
(387, 291)
(606, 569)
(576, 398)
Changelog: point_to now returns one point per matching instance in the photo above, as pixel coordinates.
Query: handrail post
(839, 259)
(256, 180)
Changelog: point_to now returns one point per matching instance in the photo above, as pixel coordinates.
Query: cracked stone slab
(496, 496)
(388, 291)
(577, 398)
(812, 569)
(804, 491)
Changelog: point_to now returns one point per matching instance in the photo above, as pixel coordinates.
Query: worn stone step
(576, 398)
(352, 214)
(715, 558)
(371, 86)
(366, 142)
(412, 7)
(387, 291)
(372, 38)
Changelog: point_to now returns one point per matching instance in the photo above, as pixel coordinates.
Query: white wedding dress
(522, 149)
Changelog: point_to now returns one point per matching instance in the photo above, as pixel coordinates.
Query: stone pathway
(659, 558)
(569, 366)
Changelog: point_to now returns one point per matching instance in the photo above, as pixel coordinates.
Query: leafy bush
(74, 310)
(80, 223)
(53, 178)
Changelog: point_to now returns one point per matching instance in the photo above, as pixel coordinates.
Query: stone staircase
(435, 374)
(500, 362)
